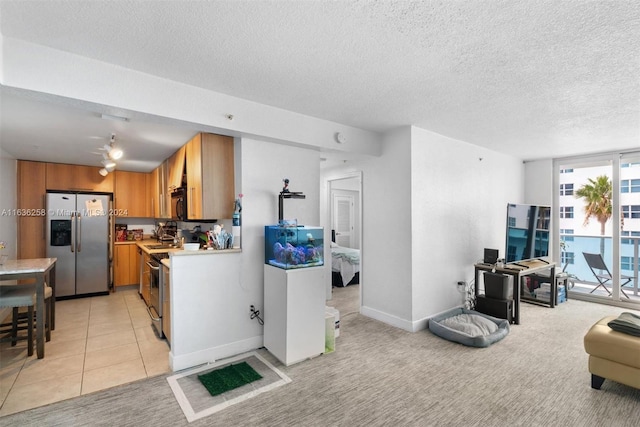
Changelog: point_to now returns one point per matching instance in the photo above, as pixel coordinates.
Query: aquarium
(290, 246)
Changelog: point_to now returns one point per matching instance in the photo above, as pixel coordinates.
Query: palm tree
(597, 197)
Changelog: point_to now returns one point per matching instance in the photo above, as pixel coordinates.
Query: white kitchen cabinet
(294, 323)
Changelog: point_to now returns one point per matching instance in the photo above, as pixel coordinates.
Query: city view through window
(586, 221)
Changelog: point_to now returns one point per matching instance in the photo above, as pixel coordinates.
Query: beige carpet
(383, 376)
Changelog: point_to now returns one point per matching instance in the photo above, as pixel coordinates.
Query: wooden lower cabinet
(126, 265)
(146, 277)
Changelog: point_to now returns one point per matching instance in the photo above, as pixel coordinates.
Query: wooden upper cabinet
(31, 196)
(158, 192)
(210, 177)
(153, 198)
(194, 178)
(176, 169)
(77, 178)
(130, 195)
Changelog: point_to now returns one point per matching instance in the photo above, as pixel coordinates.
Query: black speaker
(497, 286)
(501, 309)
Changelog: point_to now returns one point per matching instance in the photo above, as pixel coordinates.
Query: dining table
(23, 272)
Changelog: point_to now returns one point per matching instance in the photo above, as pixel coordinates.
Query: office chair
(595, 262)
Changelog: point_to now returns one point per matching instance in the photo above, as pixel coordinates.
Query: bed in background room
(345, 265)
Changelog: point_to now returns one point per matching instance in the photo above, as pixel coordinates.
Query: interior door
(342, 219)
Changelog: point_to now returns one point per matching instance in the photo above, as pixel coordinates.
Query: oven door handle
(152, 266)
(155, 319)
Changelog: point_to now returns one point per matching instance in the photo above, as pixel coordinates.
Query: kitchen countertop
(142, 244)
(24, 266)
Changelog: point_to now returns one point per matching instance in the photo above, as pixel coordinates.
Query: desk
(518, 272)
(38, 269)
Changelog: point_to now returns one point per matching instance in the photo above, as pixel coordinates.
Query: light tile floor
(99, 342)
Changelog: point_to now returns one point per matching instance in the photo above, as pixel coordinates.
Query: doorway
(344, 215)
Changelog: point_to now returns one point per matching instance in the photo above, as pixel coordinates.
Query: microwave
(179, 204)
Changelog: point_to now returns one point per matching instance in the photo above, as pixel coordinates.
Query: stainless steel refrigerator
(78, 236)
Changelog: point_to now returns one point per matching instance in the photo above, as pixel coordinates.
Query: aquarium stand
(294, 319)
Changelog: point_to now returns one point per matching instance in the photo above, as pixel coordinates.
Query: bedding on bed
(345, 261)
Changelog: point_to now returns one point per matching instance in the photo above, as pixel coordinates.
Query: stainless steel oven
(155, 291)
(179, 204)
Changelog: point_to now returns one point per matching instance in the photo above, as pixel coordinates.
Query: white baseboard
(407, 325)
(210, 355)
(387, 318)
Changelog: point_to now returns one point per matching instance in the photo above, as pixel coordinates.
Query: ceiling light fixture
(109, 165)
(113, 152)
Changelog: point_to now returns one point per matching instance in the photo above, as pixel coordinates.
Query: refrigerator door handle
(73, 231)
(79, 232)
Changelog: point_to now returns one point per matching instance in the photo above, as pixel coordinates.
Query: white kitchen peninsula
(209, 308)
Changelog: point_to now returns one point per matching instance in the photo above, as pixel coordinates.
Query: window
(631, 211)
(630, 186)
(629, 165)
(566, 211)
(511, 221)
(626, 263)
(566, 234)
(567, 258)
(628, 234)
(566, 189)
(566, 170)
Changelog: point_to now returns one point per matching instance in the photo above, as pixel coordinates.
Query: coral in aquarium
(295, 255)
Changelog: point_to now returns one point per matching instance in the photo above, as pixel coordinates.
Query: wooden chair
(603, 275)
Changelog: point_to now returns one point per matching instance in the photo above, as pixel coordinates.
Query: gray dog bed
(469, 327)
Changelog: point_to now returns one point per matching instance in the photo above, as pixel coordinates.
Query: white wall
(264, 165)
(431, 204)
(539, 190)
(459, 203)
(538, 178)
(386, 228)
(44, 70)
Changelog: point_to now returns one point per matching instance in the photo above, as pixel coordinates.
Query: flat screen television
(527, 232)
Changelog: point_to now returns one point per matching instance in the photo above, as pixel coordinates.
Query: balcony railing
(579, 270)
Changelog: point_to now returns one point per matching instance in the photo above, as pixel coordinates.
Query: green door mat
(225, 379)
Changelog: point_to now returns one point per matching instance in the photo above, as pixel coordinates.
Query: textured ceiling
(532, 79)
